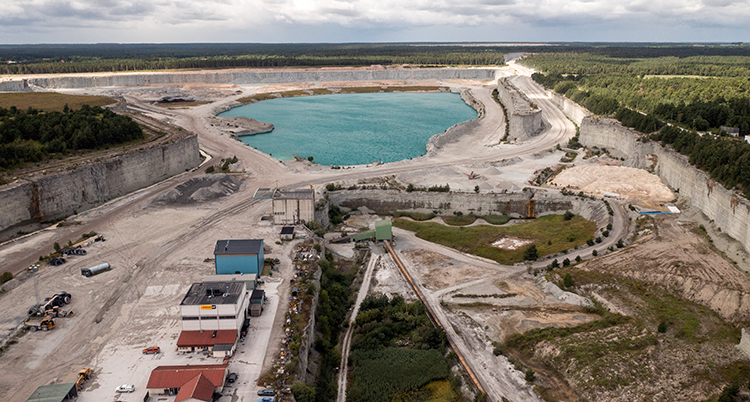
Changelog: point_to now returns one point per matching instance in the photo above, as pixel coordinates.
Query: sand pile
(630, 183)
(201, 189)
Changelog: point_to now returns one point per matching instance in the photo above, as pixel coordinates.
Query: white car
(125, 388)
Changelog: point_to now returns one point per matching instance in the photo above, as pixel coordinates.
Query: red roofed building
(190, 341)
(189, 383)
(197, 389)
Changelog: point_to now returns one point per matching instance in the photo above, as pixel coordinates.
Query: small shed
(287, 233)
(223, 350)
(257, 296)
(55, 393)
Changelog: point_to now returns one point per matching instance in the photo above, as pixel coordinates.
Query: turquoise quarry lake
(353, 129)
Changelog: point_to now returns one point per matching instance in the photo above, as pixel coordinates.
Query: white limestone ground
(630, 183)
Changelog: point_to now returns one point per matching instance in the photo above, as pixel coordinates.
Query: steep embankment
(54, 196)
(242, 77)
(524, 118)
(729, 210)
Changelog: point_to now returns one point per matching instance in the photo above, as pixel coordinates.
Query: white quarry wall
(13, 86)
(513, 204)
(728, 209)
(58, 195)
(524, 122)
(244, 77)
(16, 203)
(571, 109)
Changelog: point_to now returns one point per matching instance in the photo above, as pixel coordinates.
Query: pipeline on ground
(434, 319)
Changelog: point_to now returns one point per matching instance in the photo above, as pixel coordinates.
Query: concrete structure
(287, 233)
(58, 195)
(733, 131)
(239, 256)
(293, 206)
(55, 393)
(189, 383)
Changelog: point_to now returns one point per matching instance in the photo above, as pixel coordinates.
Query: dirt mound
(676, 255)
(630, 183)
(201, 189)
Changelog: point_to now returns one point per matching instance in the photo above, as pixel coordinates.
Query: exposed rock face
(58, 195)
(201, 189)
(571, 109)
(513, 204)
(524, 120)
(728, 209)
(244, 77)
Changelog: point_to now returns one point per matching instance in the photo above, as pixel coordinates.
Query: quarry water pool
(353, 129)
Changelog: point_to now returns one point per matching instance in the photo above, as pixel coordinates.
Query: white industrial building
(293, 206)
(212, 314)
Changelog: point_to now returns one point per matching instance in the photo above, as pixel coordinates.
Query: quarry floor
(158, 249)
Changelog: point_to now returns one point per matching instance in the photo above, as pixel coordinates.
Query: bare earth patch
(630, 183)
(511, 243)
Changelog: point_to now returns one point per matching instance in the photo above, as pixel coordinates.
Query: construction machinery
(473, 175)
(59, 299)
(83, 375)
(56, 312)
(45, 323)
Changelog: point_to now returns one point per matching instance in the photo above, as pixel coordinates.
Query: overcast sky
(269, 21)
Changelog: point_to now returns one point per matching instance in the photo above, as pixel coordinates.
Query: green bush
(568, 215)
(662, 328)
(568, 280)
(530, 376)
(302, 392)
(531, 254)
(5, 277)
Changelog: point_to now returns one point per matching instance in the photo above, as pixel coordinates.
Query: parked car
(266, 392)
(232, 378)
(152, 350)
(266, 399)
(125, 388)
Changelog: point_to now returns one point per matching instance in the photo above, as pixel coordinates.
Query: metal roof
(287, 230)
(304, 194)
(237, 246)
(199, 339)
(53, 393)
(213, 293)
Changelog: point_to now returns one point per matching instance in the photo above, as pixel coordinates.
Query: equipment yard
(160, 240)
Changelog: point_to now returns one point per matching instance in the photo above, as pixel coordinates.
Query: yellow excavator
(83, 375)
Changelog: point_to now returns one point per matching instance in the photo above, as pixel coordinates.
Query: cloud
(358, 20)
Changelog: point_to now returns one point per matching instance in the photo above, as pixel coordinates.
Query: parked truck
(57, 300)
(45, 323)
(89, 272)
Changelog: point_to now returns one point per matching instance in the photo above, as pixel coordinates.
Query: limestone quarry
(161, 217)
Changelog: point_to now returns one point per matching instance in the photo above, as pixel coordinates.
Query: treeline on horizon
(37, 59)
(32, 135)
(685, 113)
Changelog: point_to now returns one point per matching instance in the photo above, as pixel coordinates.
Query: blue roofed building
(239, 256)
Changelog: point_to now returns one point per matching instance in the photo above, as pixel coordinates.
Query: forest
(32, 135)
(49, 58)
(685, 113)
(396, 352)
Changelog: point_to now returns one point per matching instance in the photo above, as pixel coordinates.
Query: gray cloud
(371, 20)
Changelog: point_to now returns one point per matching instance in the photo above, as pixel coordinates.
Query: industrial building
(290, 207)
(189, 383)
(238, 256)
(287, 233)
(212, 314)
(382, 231)
(55, 393)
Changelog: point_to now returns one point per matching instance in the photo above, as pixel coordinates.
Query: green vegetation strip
(550, 234)
(50, 101)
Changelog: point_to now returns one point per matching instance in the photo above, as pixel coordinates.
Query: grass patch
(550, 233)
(417, 216)
(459, 220)
(381, 374)
(50, 101)
(496, 219)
